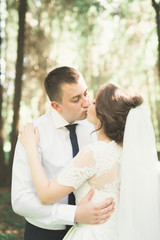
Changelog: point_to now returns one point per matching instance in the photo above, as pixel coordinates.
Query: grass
(11, 224)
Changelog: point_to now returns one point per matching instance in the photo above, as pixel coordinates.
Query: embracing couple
(108, 160)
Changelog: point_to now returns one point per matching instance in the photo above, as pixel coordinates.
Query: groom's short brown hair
(56, 78)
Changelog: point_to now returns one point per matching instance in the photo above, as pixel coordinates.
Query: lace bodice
(96, 165)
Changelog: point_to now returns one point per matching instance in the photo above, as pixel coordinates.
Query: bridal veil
(139, 210)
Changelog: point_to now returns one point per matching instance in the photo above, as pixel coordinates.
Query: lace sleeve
(81, 168)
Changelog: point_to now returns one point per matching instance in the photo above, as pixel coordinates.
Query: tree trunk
(3, 166)
(18, 82)
(1, 126)
(156, 7)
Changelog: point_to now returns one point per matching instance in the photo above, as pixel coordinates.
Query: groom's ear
(56, 106)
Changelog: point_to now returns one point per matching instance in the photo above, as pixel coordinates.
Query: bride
(122, 164)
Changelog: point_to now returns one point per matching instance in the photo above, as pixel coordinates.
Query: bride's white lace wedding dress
(98, 166)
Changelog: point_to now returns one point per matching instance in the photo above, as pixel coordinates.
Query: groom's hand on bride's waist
(94, 213)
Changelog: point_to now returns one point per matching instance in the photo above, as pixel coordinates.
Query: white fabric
(96, 165)
(56, 151)
(139, 211)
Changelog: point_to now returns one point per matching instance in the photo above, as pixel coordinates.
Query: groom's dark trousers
(35, 233)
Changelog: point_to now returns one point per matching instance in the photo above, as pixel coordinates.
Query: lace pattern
(73, 176)
(98, 164)
(105, 155)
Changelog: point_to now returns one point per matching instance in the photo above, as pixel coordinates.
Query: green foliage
(5, 198)
(7, 237)
(11, 224)
(9, 217)
(106, 40)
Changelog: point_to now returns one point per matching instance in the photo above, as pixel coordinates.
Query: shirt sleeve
(81, 168)
(25, 201)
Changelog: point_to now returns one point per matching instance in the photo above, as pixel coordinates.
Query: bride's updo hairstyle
(112, 107)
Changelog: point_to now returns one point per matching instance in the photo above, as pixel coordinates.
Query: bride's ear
(56, 106)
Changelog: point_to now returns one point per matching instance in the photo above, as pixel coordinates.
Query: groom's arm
(93, 213)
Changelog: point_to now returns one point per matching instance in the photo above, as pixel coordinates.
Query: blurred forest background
(106, 40)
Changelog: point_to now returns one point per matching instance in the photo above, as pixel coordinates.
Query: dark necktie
(73, 138)
(75, 150)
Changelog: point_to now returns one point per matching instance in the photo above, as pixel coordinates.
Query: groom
(69, 98)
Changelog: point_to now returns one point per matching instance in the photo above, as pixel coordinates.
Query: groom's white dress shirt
(56, 152)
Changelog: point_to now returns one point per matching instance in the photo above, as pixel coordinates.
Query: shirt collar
(58, 120)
